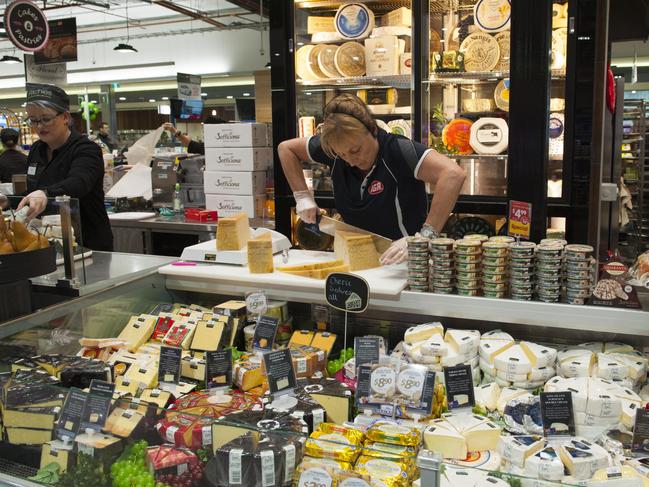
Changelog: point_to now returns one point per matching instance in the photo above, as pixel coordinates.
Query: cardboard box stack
(237, 159)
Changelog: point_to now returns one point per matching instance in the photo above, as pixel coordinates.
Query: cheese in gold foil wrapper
(334, 441)
(383, 432)
(391, 472)
(319, 471)
(388, 450)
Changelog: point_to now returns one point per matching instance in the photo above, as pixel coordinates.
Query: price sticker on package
(520, 219)
(256, 303)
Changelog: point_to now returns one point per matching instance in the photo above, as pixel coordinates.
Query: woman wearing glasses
(64, 162)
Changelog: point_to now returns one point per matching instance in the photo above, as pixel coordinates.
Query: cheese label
(315, 477)
(289, 454)
(383, 381)
(557, 413)
(267, 468)
(265, 333)
(97, 405)
(70, 417)
(234, 470)
(640, 443)
(279, 371)
(459, 386)
(366, 350)
(218, 369)
(170, 434)
(170, 364)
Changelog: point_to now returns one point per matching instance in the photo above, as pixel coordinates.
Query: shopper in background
(104, 136)
(379, 179)
(12, 160)
(193, 147)
(63, 162)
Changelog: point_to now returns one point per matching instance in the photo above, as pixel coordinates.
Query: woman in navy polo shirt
(378, 178)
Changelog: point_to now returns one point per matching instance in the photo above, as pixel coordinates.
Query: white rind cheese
(516, 450)
(583, 458)
(422, 332)
(490, 348)
(539, 355)
(434, 345)
(545, 465)
(513, 360)
(486, 396)
(466, 342)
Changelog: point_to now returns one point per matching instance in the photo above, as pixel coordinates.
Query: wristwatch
(427, 231)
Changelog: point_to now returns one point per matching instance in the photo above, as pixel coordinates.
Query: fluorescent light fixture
(633, 91)
(126, 48)
(93, 101)
(164, 109)
(10, 59)
(214, 113)
(122, 98)
(246, 94)
(229, 97)
(151, 100)
(308, 93)
(165, 98)
(203, 94)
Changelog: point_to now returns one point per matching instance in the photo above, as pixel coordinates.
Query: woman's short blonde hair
(346, 117)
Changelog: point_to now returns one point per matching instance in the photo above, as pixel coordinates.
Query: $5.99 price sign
(520, 219)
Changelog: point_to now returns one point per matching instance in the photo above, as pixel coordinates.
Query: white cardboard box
(230, 205)
(242, 183)
(236, 135)
(382, 55)
(238, 158)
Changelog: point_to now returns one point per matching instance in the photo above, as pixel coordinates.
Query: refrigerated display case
(551, 50)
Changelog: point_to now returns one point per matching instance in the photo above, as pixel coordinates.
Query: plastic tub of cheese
(495, 249)
(468, 247)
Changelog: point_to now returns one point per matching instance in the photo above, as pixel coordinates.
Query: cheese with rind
(545, 464)
(486, 396)
(466, 342)
(513, 360)
(423, 332)
(583, 458)
(232, 232)
(517, 449)
(539, 355)
(356, 250)
(490, 348)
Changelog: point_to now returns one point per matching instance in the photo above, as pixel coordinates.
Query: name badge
(31, 170)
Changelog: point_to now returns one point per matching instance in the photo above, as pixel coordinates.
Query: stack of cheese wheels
(525, 365)
(455, 434)
(617, 362)
(428, 344)
(598, 404)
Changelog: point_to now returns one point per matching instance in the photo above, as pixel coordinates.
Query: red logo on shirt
(376, 187)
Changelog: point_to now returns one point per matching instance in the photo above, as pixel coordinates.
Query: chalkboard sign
(97, 405)
(347, 292)
(70, 417)
(459, 386)
(218, 369)
(279, 371)
(367, 350)
(169, 366)
(265, 332)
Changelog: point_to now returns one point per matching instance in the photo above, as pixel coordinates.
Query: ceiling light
(203, 94)
(93, 101)
(151, 100)
(246, 94)
(10, 59)
(122, 98)
(633, 92)
(268, 65)
(214, 113)
(165, 98)
(308, 93)
(229, 97)
(124, 48)
(24, 105)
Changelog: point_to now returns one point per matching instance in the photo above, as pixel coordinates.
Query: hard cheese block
(123, 422)
(64, 458)
(207, 336)
(455, 434)
(316, 271)
(232, 233)
(37, 417)
(335, 397)
(356, 250)
(137, 331)
(260, 254)
(27, 436)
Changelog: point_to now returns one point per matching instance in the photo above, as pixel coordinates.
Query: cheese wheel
(354, 21)
(501, 94)
(456, 135)
(350, 59)
(481, 52)
(492, 15)
(555, 131)
(302, 63)
(313, 64)
(503, 39)
(400, 127)
(559, 47)
(489, 136)
(326, 62)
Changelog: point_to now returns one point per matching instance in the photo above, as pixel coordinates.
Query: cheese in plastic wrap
(392, 473)
(337, 442)
(395, 434)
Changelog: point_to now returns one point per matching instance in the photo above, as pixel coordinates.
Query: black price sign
(97, 405)
(279, 370)
(265, 332)
(459, 386)
(169, 367)
(425, 406)
(366, 350)
(218, 369)
(347, 292)
(363, 384)
(71, 414)
(557, 414)
(640, 442)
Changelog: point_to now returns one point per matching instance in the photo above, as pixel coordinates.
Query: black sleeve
(196, 147)
(315, 152)
(407, 154)
(86, 168)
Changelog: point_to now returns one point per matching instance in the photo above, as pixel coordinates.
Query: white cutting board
(131, 215)
(387, 281)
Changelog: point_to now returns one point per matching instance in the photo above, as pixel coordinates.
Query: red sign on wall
(520, 219)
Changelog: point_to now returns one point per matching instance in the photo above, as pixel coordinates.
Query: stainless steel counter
(101, 271)
(177, 224)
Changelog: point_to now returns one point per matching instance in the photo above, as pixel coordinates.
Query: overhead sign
(189, 86)
(26, 25)
(347, 292)
(53, 74)
(520, 219)
(62, 44)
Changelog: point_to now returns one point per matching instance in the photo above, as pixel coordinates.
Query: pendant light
(121, 47)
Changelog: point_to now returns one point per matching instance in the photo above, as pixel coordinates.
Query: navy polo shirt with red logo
(388, 200)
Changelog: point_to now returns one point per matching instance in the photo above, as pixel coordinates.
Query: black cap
(50, 94)
(9, 135)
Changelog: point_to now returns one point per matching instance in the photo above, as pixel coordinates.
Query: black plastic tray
(25, 265)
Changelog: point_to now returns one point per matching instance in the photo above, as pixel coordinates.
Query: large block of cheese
(320, 24)
(356, 250)
(145, 376)
(123, 422)
(27, 436)
(104, 448)
(38, 417)
(233, 232)
(247, 374)
(260, 254)
(64, 458)
(207, 336)
(138, 330)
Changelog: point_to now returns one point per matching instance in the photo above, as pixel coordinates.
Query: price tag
(279, 370)
(366, 350)
(640, 442)
(265, 332)
(347, 292)
(97, 405)
(218, 369)
(169, 366)
(70, 417)
(363, 379)
(557, 413)
(459, 386)
(256, 303)
(520, 219)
